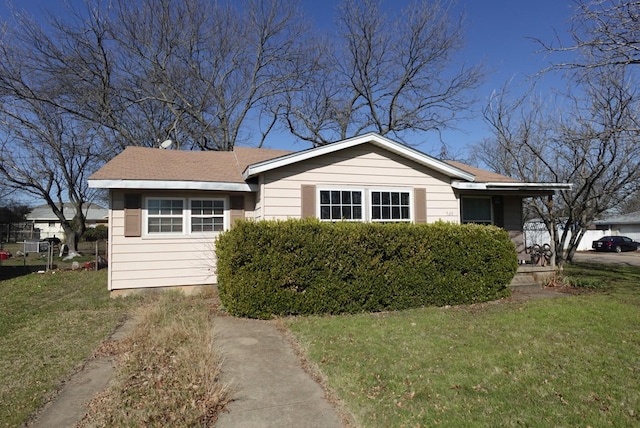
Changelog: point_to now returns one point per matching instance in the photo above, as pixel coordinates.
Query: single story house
(43, 218)
(620, 224)
(167, 206)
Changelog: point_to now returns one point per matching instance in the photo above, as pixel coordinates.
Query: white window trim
(366, 201)
(225, 216)
(342, 189)
(392, 190)
(186, 218)
(145, 221)
(463, 197)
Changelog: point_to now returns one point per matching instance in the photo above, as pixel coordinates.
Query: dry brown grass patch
(168, 372)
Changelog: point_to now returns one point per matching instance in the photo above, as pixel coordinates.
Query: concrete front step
(524, 280)
(532, 276)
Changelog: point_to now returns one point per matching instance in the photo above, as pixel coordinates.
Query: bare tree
(384, 75)
(592, 143)
(211, 68)
(603, 33)
(48, 154)
(53, 86)
(76, 90)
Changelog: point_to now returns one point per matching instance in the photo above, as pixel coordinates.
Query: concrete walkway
(269, 387)
(70, 404)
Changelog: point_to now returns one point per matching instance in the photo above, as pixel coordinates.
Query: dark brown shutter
(132, 214)
(237, 208)
(497, 203)
(420, 205)
(308, 201)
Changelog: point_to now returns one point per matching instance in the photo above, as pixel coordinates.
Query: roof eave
(373, 138)
(510, 186)
(171, 185)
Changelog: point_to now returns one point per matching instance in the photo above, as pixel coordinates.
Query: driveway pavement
(629, 258)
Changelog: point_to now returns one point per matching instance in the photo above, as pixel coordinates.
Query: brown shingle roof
(483, 176)
(142, 163)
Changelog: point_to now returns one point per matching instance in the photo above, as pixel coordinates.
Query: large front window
(364, 205)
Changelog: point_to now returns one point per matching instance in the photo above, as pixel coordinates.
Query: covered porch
(501, 204)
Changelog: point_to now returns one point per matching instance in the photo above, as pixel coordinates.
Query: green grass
(572, 361)
(49, 324)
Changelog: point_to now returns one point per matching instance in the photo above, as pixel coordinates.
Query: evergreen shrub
(306, 266)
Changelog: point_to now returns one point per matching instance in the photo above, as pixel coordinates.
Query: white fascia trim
(373, 138)
(172, 185)
(510, 186)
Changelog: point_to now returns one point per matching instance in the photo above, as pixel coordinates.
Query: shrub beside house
(301, 267)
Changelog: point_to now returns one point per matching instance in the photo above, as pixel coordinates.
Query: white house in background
(167, 206)
(535, 232)
(43, 218)
(621, 224)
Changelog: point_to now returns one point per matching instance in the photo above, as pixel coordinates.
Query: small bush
(311, 267)
(98, 233)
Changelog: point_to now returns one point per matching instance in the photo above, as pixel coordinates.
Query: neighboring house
(43, 218)
(167, 206)
(621, 224)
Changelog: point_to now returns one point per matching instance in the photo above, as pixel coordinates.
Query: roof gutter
(172, 185)
(510, 186)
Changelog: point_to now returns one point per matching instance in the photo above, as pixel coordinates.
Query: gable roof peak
(368, 138)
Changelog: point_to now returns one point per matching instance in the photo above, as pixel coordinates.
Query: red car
(615, 243)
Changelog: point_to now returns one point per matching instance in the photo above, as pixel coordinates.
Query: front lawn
(49, 324)
(570, 361)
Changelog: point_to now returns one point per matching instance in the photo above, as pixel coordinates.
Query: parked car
(46, 242)
(615, 243)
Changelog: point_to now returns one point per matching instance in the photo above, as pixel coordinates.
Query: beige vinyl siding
(361, 167)
(258, 212)
(144, 262)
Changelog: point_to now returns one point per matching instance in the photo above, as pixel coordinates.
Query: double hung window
(179, 216)
(207, 215)
(165, 215)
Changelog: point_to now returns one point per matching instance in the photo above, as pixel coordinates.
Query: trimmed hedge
(310, 267)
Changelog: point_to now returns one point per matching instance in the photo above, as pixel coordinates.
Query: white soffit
(171, 185)
(373, 138)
